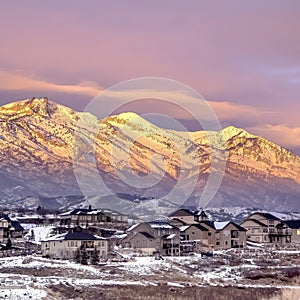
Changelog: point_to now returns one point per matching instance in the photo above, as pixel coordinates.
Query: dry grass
(163, 292)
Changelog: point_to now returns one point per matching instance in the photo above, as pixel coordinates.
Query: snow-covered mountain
(36, 158)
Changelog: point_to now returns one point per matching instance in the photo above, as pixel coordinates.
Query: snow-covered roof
(133, 226)
(58, 237)
(171, 236)
(183, 228)
(161, 225)
(74, 236)
(89, 211)
(220, 225)
(120, 236)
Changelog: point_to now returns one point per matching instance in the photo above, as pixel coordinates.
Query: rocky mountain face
(42, 143)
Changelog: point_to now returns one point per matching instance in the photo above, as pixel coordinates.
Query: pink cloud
(13, 81)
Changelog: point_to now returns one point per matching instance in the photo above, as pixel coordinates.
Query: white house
(65, 246)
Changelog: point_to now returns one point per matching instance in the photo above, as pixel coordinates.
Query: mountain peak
(232, 131)
(128, 116)
(41, 106)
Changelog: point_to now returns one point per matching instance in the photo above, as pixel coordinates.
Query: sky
(242, 56)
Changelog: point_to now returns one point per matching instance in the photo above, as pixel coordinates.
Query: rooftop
(74, 236)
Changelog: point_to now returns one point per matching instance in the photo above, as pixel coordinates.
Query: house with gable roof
(262, 228)
(184, 215)
(64, 246)
(187, 216)
(88, 217)
(10, 229)
(229, 235)
(290, 229)
(151, 237)
(198, 228)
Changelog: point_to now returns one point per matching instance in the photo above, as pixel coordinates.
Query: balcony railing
(168, 246)
(281, 232)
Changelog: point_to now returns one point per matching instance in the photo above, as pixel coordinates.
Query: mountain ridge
(37, 157)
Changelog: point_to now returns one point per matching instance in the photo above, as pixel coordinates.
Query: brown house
(262, 228)
(88, 217)
(229, 235)
(290, 229)
(194, 232)
(10, 229)
(153, 237)
(184, 215)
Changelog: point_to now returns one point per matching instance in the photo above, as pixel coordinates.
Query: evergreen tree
(77, 256)
(84, 257)
(8, 244)
(95, 258)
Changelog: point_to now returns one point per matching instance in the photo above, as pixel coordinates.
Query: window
(217, 243)
(234, 234)
(209, 234)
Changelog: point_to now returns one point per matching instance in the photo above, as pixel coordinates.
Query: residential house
(215, 235)
(184, 215)
(46, 220)
(4, 229)
(88, 217)
(10, 229)
(177, 222)
(150, 237)
(211, 233)
(188, 216)
(65, 246)
(143, 241)
(193, 238)
(262, 228)
(289, 229)
(229, 235)
(194, 232)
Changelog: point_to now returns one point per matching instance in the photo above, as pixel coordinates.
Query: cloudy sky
(242, 56)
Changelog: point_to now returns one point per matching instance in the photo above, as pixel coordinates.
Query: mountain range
(42, 143)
